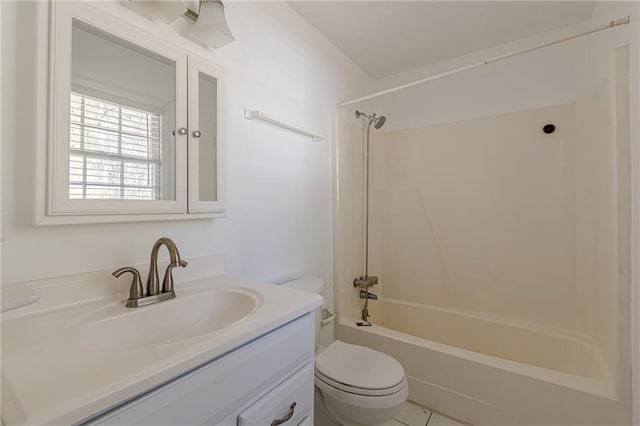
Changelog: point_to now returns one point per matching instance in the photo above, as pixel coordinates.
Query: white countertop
(53, 373)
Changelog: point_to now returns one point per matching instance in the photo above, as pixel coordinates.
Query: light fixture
(165, 11)
(211, 27)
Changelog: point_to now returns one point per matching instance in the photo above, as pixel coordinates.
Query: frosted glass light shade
(211, 28)
(165, 11)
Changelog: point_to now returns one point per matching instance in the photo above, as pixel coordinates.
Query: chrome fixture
(153, 282)
(366, 282)
(365, 311)
(135, 291)
(379, 121)
(210, 28)
(364, 294)
(137, 296)
(287, 416)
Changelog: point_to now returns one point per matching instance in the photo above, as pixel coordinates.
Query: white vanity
(224, 351)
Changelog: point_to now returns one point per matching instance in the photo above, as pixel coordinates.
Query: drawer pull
(286, 418)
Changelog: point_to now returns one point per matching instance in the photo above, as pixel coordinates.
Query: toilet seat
(359, 370)
(358, 390)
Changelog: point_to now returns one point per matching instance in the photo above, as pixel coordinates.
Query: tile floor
(415, 415)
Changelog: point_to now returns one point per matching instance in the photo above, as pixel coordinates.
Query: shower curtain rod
(615, 23)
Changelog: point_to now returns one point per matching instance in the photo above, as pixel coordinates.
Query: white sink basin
(187, 316)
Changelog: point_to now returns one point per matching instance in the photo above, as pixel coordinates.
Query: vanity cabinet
(253, 385)
(136, 124)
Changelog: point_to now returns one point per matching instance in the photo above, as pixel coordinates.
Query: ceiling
(388, 37)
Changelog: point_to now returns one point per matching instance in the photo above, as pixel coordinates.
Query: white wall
(279, 210)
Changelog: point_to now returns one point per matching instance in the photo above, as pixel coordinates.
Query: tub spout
(365, 313)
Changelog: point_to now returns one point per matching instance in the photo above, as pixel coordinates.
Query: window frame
(157, 190)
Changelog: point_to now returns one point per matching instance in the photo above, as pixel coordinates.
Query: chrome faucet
(153, 282)
(137, 297)
(365, 283)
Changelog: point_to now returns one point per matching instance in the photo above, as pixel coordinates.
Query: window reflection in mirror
(122, 118)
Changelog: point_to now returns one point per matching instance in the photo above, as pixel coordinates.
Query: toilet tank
(311, 285)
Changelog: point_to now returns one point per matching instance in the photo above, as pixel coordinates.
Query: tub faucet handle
(365, 282)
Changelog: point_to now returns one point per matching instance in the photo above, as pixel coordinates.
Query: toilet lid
(359, 367)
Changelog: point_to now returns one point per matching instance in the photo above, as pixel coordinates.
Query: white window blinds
(114, 151)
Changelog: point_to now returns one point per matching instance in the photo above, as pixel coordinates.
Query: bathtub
(489, 372)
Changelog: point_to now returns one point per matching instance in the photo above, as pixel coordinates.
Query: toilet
(354, 385)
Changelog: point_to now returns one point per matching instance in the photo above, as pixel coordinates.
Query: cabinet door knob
(181, 131)
(286, 418)
(196, 133)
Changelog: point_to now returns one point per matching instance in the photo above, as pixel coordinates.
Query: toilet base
(323, 416)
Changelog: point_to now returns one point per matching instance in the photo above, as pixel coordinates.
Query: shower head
(379, 121)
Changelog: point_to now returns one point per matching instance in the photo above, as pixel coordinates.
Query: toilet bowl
(359, 386)
(354, 385)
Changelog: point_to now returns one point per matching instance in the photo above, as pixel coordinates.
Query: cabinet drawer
(290, 402)
(211, 393)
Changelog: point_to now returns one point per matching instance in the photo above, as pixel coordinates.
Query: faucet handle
(136, 291)
(167, 282)
(365, 282)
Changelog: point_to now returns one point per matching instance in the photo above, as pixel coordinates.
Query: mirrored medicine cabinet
(136, 125)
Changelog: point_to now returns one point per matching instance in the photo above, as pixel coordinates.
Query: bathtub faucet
(365, 282)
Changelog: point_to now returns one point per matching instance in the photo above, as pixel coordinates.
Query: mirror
(122, 118)
(206, 144)
(207, 141)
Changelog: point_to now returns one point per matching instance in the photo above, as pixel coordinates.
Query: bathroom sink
(187, 316)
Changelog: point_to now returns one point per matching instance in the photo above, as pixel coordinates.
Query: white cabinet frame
(196, 66)
(52, 205)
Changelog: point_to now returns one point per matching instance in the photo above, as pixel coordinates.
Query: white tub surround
(502, 250)
(56, 371)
